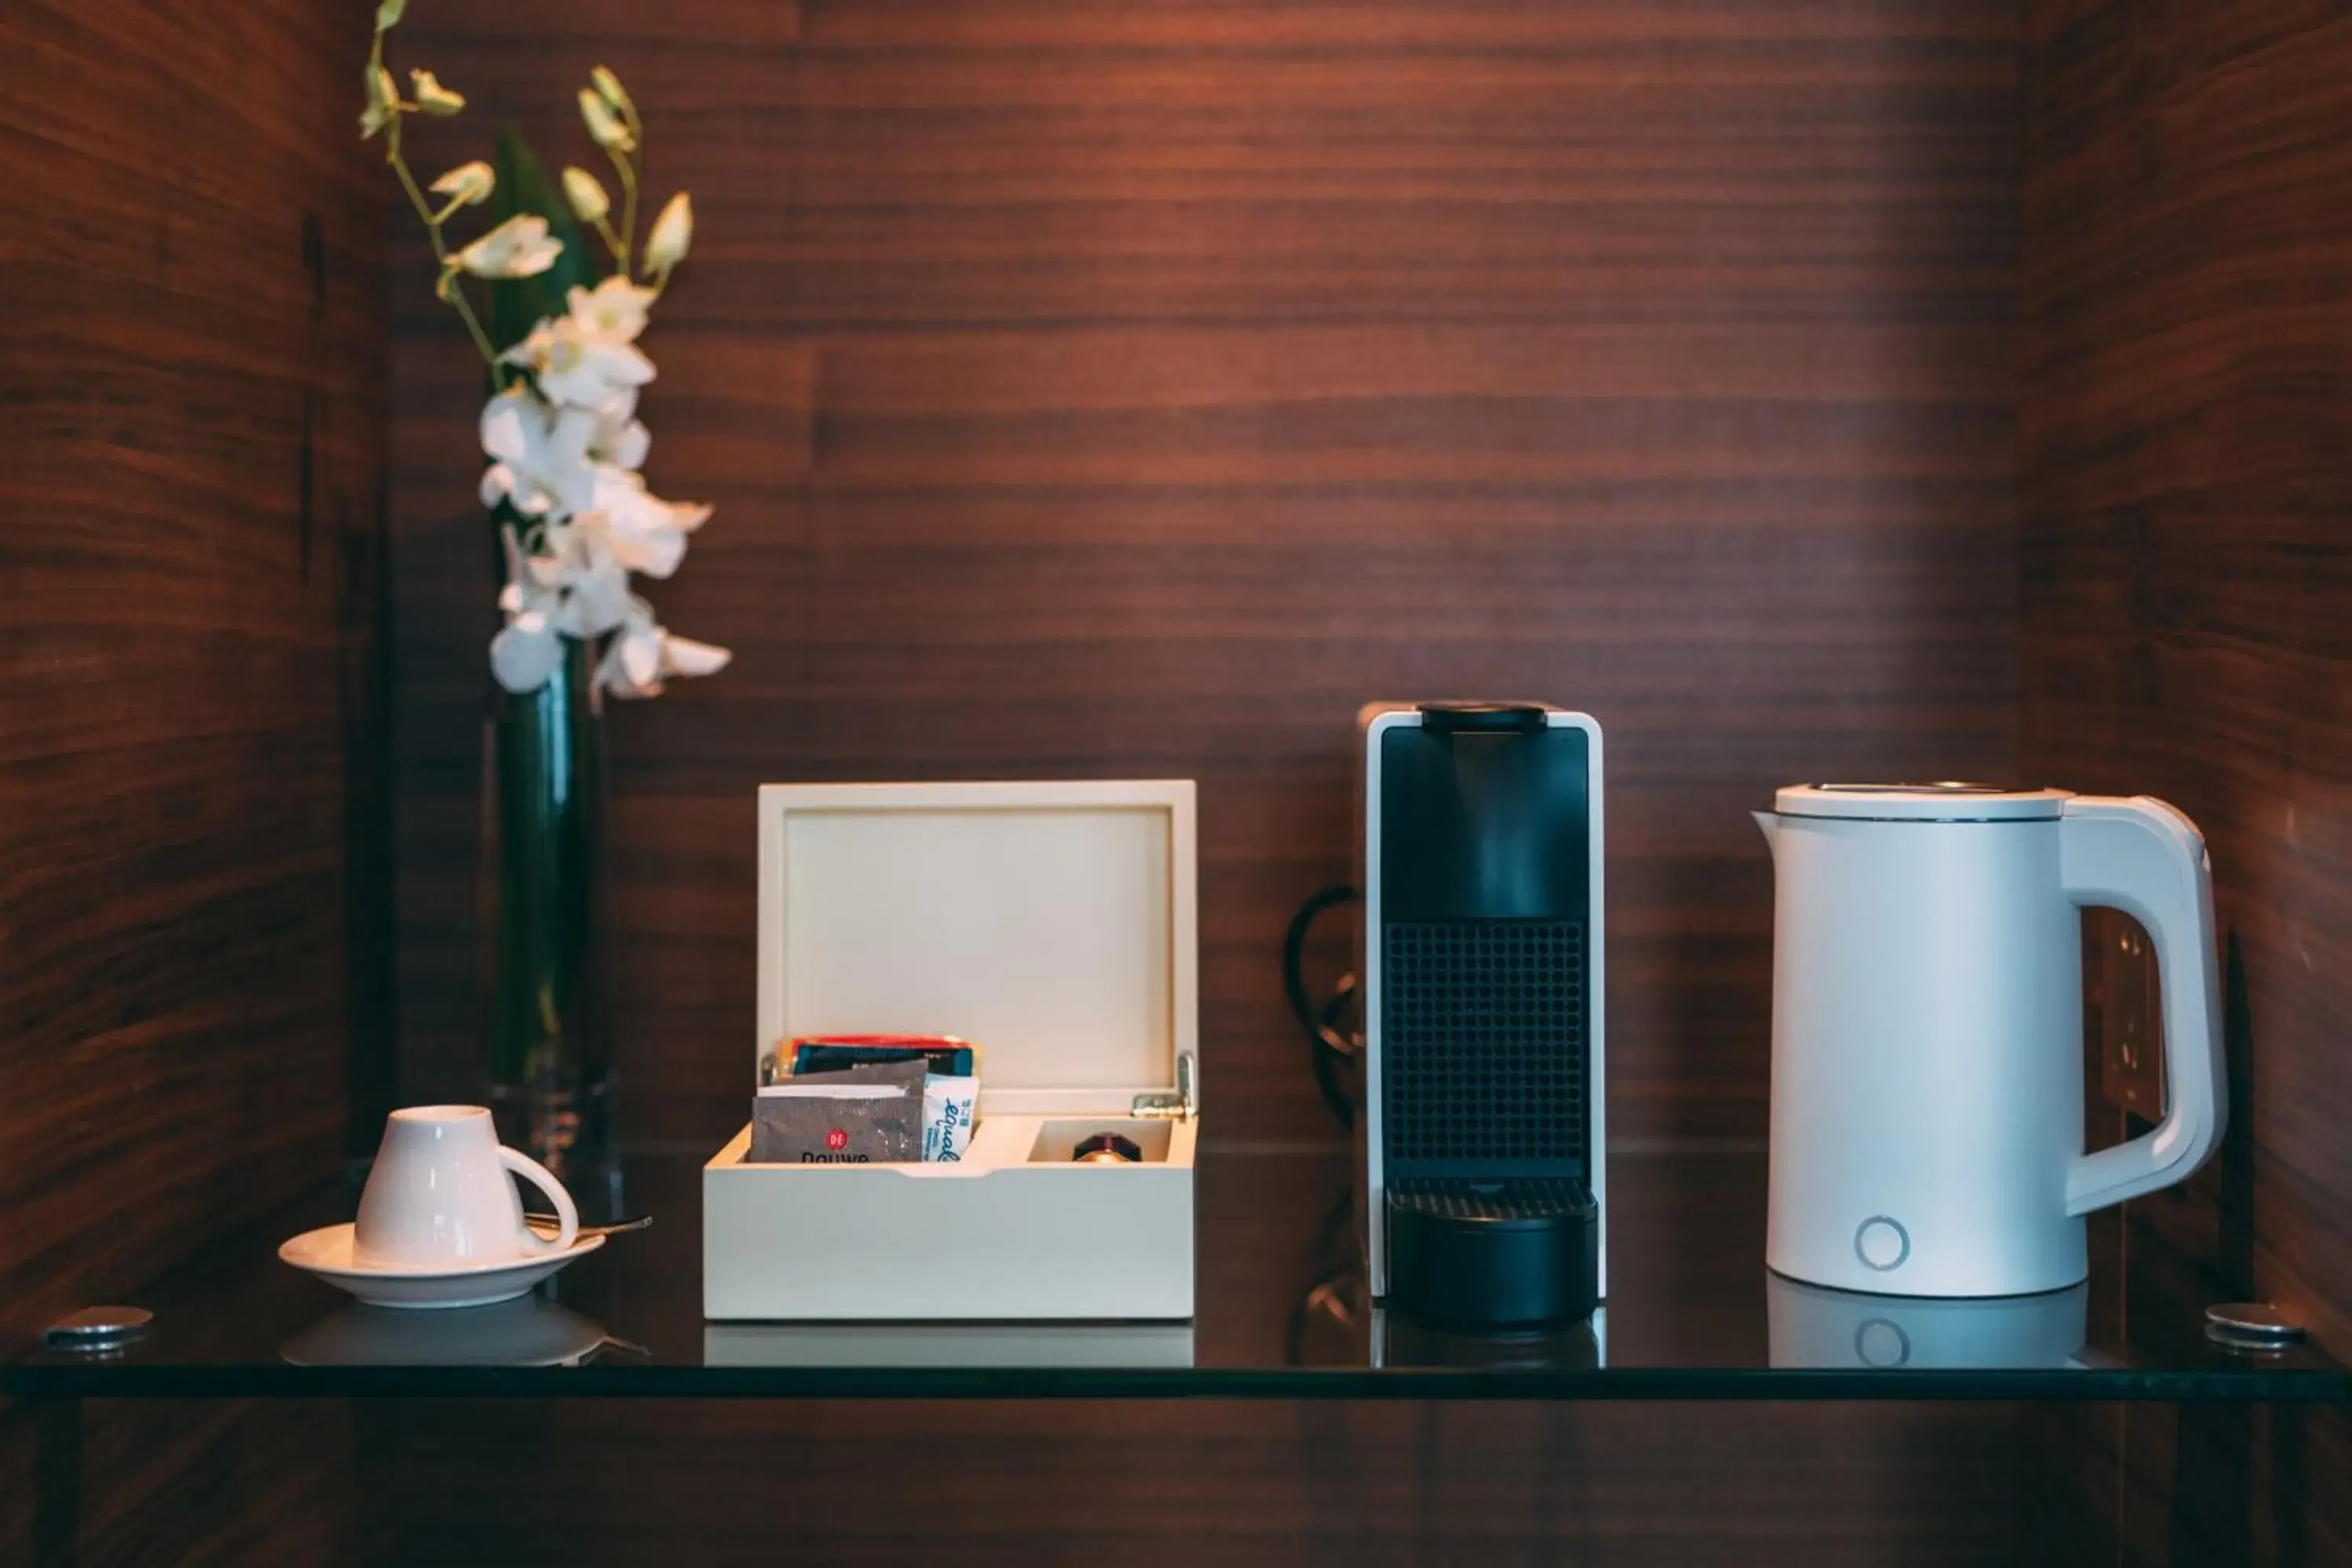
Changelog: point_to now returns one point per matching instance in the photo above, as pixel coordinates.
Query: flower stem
(455, 293)
(614, 242)
(473, 324)
(628, 212)
(629, 121)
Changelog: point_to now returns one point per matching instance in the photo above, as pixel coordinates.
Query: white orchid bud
(431, 97)
(388, 15)
(605, 127)
(468, 185)
(589, 202)
(382, 101)
(673, 231)
(519, 247)
(609, 88)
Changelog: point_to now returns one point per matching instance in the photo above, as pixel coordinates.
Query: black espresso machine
(1484, 1193)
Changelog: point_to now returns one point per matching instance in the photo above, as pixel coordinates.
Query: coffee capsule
(1106, 1149)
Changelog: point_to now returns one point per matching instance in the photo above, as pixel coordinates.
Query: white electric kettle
(1927, 1060)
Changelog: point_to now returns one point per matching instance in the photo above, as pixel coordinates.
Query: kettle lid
(1941, 802)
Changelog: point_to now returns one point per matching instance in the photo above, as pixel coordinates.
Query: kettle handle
(2146, 858)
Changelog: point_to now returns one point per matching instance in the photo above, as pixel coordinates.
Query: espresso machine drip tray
(1473, 1252)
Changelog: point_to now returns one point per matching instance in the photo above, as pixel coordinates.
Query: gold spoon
(549, 1225)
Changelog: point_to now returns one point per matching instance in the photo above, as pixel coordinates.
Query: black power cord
(1334, 1029)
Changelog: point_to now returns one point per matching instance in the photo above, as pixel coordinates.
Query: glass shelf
(1692, 1314)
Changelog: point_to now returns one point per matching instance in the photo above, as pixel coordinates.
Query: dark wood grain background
(194, 373)
(1096, 389)
(2186, 409)
(194, 805)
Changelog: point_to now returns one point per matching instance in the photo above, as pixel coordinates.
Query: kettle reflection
(1811, 1325)
(525, 1331)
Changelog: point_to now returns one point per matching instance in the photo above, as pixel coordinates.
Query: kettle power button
(1882, 1243)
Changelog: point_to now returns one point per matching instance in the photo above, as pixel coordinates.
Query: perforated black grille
(1482, 1039)
(1457, 1197)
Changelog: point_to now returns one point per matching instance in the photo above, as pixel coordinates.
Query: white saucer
(327, 1252)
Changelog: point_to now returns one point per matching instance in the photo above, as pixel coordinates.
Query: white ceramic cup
(439, 1193)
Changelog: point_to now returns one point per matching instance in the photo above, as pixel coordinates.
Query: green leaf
(518, 304)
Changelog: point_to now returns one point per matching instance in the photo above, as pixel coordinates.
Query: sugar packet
(948, 1104)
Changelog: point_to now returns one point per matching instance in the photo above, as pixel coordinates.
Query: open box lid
(1053, 924)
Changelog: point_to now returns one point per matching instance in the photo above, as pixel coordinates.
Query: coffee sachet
(830, 1053)
(862, 1115)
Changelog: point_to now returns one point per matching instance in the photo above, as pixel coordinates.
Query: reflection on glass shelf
(1334, 1324)
(1399, 1341)
(1812, 1325)
(525, 1331)
(974, 1345)
(1692, 1314)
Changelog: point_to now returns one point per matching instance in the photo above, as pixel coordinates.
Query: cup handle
(567, 1213)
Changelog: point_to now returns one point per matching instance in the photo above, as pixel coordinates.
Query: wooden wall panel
(2187, 517)
(194, 379)
(193, 805)
(1171, 1484)
(2187, 558)
(1089, 388)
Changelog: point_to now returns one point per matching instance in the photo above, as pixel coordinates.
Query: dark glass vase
(548, 1045)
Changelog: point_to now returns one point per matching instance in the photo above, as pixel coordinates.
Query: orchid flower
(519, 247)
(620, 439)
(577, 588)
(510, 251)
(648, 534)
(467, 185)
(577, 367)
(614, 311)
(538, 457)
(432, 98)
(526, 652)
(645, 656)
(593, 577)
(382, 101)
(563, 439)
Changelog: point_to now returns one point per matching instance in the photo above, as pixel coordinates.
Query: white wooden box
(1053, 924)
